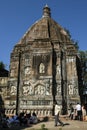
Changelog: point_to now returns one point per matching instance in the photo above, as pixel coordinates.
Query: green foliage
(83, 59)
(73, 40)
(2, 65)
(43, 127)
(60, 128)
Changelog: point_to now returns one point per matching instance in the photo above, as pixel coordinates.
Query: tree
(2, 65)
(83, 57)
(73, 40)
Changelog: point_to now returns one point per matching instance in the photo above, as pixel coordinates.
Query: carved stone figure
(59, 90)
(13, 90)
(47, 89)
(41, 68)
(58, 69)
(70, 89)
(25, 90)
(40, 90)
(27, 70)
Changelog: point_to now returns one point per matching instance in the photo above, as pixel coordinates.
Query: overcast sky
(16, 16)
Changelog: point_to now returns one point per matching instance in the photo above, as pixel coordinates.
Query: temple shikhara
(43, 68)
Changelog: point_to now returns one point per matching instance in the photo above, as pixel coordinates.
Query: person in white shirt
(57, 110)
(79, 111)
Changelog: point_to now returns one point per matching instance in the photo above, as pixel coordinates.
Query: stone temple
(43, 68)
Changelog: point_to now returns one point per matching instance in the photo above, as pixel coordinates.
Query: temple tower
(43, 69)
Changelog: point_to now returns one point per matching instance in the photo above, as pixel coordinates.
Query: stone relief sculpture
(42, 68)
(59, 89)
(13, 90)
(47, 89)
(25, 83)
(40, 90)
(70, 88)
(58, 69)
(75, 91)
(27, 90)
(3, 91)
(27, 70)
(12, 73)
(2, 81)
(30, 89)
(26, 61)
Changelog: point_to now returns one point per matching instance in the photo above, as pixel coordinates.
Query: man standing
(79, 111)
(57, 112)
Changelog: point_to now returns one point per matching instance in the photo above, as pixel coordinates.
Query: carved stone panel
(27, 88)
(3, 91)
(13, 88)
(70, 89)
(39, 90)
(27, 70)
(59, 89)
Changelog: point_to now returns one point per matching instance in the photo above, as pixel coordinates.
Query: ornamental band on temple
(43, 68)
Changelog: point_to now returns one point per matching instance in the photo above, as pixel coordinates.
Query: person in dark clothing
(71, 111)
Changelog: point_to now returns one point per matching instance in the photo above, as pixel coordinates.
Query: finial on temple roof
(46, 11)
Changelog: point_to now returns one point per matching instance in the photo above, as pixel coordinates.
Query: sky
(17, 16)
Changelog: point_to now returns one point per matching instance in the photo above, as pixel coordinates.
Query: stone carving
(39, 90)
(25, 83)
(41, 68)
(12, 73)
(59, 89)
(27, 89)
(27, 70)
(75, 91)
(3, 91)
(58, 69)
(2, 81)
(47, 89)
(26, 61)
(70, 87)
(13, 90)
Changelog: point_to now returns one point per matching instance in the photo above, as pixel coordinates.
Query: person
(57, 112)
(71, 111)
(79, 111)
(83, 112)
(33, 118)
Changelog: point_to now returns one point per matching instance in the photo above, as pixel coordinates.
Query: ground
(69, 125)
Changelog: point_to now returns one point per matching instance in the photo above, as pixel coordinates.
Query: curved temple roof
(45, 28)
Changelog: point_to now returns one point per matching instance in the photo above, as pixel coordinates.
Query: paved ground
(70, 125)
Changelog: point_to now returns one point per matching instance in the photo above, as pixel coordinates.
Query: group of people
(28, 119)
(23, 118)
(78, 112)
